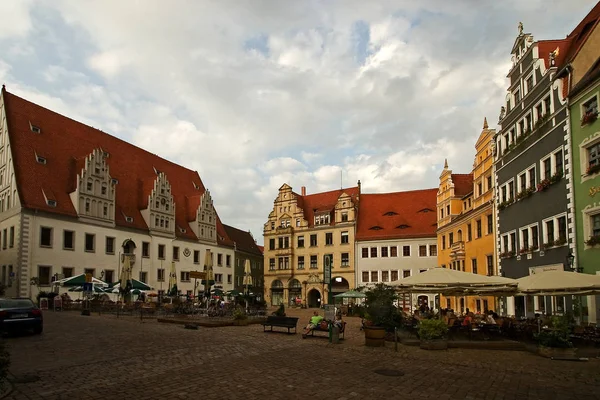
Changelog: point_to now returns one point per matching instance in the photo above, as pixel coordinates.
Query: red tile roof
(262, 249)
(463, 184)
(65, 143)
(243, 240)
(323, 202)
(407, 208)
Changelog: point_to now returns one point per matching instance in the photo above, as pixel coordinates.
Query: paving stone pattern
(102, 357)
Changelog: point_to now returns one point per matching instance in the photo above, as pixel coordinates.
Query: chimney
(303, 190)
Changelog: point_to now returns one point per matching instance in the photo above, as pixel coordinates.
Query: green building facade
(585, 131)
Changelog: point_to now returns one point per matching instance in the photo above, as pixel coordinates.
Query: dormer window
(182, 230)
(114, 181)
(375, 228)
(404, 226)
(157, 172)
(34, 128)
(51, 203)
(40, 159)
(103, 190)
(167, 206)
(90, 186)
(129, 219)
(426, 210)
(390, 213)
(195, 186)
(97, 170)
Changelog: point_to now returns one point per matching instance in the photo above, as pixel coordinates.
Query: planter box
(555, 352)
(374, 336)
(435, 344)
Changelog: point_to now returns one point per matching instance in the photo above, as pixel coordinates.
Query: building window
(469, 232)
(478, 227)
(90, 271)
(229, 278)
(220, 259)
(161, 251)
(490, 225)
(443, 242)
(450, 238)
(144, 276)
(490, 265)
(593, 158)
(197, 257)
(344, 217)
(300, 242)
(406, 251)
(313, 240)
(67, 272)
(385, 276)
(313, 262)
(595, 225)
(394, 276)
(185, 276)
(432, 250)
(393, 251)
(422, 251)
(529, 83)
(145, 249)
(300, 262)
(110, 245)
(4, 239)
(44, 275)
(374, 276)
(11, 238)
(373, 252)
(345, 237)
(272, 244)
(365, 252)
(90, 242)
(406, 273)
(160, 275)
(176, 253)
(384, 251)
(227, 260)
(271, 264)
(547, 168)
(46, 236)
(365, 276)
(517, 96)
(328, 239)
(589, 109)
(474, 265)
(345, 259)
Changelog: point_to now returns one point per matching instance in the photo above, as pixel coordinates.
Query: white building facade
(75, 200)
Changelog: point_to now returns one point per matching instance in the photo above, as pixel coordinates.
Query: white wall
(56, 257)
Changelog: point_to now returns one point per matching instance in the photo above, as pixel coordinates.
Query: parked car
(20, 314)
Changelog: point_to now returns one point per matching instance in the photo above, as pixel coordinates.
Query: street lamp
(570, 260)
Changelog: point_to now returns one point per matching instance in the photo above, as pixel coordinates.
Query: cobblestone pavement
(102, 357)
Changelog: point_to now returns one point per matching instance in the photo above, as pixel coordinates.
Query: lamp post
(570, 261)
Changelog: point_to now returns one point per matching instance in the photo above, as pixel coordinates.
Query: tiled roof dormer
(94, 194)
(160, 211)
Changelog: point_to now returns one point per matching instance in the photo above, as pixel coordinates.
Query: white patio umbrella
(559, 283)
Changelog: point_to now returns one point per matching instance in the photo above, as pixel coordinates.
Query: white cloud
(300, 106)
(16, 20)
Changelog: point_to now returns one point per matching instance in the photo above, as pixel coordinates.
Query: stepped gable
(65, 143)
(399, 215)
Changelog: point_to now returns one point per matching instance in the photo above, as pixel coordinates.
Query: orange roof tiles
(65, 143)
(416, 210)
(243, 240)
(312, 204)
(463, 184)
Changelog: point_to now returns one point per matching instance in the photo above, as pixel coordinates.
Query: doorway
(314, 298)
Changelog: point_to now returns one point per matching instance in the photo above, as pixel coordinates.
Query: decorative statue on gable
(520, 28)
(502, 113)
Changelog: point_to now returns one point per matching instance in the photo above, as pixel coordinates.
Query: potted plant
(592, 169)
(543, 185)
(432, 333)
(239, 317)
(380, 315)
(555, 342)
(593, 241)
(589, 117)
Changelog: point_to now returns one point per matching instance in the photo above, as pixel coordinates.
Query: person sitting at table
(315, 320)
(468, 319)
(490, 319)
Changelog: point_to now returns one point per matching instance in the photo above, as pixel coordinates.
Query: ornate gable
(94, 195)
(344, 209)
(205, 226)
(160, 212)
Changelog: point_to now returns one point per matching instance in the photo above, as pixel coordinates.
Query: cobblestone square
(102, 357)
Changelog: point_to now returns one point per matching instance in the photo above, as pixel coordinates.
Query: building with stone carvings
(301, 230)
(74, 199)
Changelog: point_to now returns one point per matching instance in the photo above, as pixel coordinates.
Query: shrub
(239, 314)
(430, 329)
(280, 312)
(380, 309)
(558, 337)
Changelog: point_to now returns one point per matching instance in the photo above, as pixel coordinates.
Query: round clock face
(162, 201)
(187, 252)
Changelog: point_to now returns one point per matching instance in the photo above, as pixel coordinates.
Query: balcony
(288, 251)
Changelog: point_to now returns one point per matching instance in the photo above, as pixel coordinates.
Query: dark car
(20, 315)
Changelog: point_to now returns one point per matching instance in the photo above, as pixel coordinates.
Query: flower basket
(560, 241)
(556, 177)
(543, 185)
(525, 250)
(589, 118)
(507, 254)
(592, 169)
(593, 240)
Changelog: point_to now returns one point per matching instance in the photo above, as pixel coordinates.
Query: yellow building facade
(466, 223)
(300, 232)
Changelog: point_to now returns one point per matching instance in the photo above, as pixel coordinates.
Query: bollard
(335, 334)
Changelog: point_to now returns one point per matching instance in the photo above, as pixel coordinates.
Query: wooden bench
(281, 322)
(326, 330)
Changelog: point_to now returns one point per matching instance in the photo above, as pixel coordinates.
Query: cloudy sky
(253, 94)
